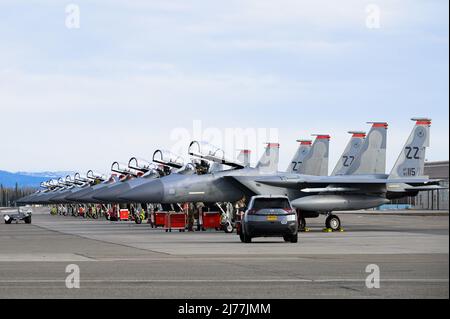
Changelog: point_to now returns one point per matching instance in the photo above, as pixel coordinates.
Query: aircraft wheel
(333, 222)
(228, 228)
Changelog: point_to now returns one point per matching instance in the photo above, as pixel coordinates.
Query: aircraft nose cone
(151, 192)
(111, 194)
(75, 196)
(89, 199)
(59, 198)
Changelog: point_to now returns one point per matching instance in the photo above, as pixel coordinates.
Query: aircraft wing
(334, 183)
(421, 188)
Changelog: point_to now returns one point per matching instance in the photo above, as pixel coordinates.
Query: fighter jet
(335, 193)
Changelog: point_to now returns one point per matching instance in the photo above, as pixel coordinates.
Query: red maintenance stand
(124, 214)
(175, 221)
(159, 219)
(211, 220)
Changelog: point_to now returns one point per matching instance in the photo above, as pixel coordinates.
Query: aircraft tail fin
(297, 162)
(351, 151)
(371, 159)
(316, 162)
(411, 160)
(269, 160)
(244, 157)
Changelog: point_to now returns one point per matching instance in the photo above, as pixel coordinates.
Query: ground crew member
(240, 207)
(199, 206)
(191, 211)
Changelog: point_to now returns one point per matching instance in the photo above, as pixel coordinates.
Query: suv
(269, 216)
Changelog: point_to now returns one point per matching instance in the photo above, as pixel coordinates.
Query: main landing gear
(332, 222)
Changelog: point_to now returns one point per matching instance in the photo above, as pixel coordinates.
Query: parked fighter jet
(335, 193)
(362, 156)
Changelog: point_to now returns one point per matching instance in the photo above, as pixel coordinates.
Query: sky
(108, 80)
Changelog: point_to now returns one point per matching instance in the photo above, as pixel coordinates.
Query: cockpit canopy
(212, 153)
(168, 158)
(141, 165)
(95, 176)
(80, 179)
(123, 169)
(205, 150)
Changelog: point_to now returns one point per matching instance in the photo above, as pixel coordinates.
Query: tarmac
(126, 260)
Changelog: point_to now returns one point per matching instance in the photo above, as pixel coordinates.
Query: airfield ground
(126, 260)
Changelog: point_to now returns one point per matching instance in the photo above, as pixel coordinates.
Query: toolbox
(175, 221)
(211, 220)
(124, 214)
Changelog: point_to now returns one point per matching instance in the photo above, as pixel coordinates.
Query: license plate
(272, 218)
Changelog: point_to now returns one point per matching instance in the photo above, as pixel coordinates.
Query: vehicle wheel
(138, 220)
(27, 220)
(8, 221)
(291, 238)
(244, 238)
(333, 222)
(228, 228)
(95, 216)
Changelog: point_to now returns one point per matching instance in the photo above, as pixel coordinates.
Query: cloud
(135, 71)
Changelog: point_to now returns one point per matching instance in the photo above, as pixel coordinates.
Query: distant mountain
(46, 174)
(28, 179)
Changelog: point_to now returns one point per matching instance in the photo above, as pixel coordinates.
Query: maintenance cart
(21, 214)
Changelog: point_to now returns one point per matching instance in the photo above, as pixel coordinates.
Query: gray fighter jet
(362, 191)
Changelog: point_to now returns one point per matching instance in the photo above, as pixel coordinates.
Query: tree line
(9, 196)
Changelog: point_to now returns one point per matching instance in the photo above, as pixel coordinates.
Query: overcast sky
(137, 73)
